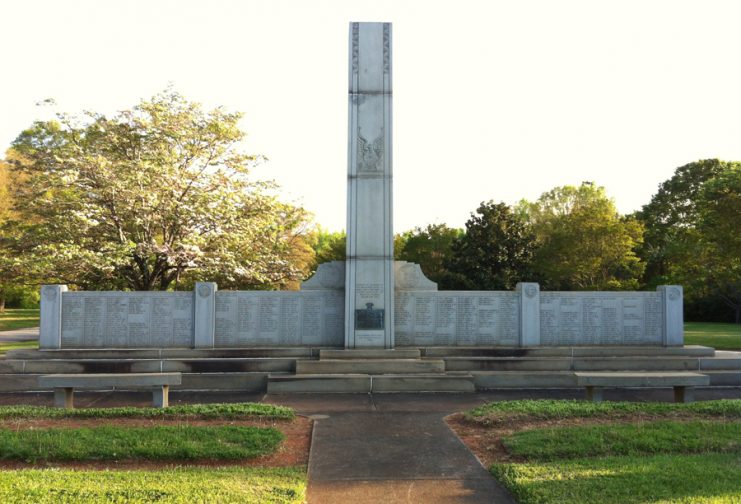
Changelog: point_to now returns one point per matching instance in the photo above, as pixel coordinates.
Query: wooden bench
(683, 382)
(64, 385)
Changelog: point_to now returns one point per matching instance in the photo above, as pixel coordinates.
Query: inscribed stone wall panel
(127, 319)
(254, 318)
(456, 318)
(600, 318)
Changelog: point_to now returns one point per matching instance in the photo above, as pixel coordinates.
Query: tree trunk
(738, 313)
(2, 305)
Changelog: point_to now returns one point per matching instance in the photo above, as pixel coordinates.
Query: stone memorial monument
(369, 279)
(369, 300)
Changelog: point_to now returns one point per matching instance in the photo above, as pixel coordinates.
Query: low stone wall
(208, 318)
(529, 317)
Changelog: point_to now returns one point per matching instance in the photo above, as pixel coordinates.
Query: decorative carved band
(355, 46)
(386, 48)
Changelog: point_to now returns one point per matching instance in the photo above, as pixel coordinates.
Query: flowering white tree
(148, 199)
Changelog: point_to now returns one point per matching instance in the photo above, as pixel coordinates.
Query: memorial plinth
(369, 268)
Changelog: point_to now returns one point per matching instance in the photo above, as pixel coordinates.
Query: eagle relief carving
(370, 154)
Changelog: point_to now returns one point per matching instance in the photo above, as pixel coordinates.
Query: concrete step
(171, 353)
(637, 364)
(507, 363)
(569, 364)
(724, 378)
(590, 351)
(721, 363)
(147, 365)
(335, 354)
(370, 366)
(319, 383)
(518, 379)
(250, 382)
(364, 383)
(423, 383)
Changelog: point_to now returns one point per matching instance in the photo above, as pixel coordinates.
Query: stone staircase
(426, 369)
(370, 371)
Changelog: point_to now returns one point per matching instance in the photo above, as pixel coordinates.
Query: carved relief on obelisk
(369, 282)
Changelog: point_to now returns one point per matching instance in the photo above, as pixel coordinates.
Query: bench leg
(684, 394)
(63, 397)
(594, 394)
(161, 397)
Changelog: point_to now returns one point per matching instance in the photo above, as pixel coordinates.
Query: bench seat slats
(110, 380)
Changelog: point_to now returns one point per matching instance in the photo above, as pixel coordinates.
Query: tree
(149, 198)
(708, 258)
(328, 246)
(683, 246)
(670, 214)
(431, 248)
(495, 252)
(10, 266)
(583, 242)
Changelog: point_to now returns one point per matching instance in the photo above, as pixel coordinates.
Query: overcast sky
(492, 99)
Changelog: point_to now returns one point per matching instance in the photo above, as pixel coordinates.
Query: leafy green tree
(671, 214)
(495, 252)
(583, 242)
(153, 197)
(707, 259)
(328, 246)
(12, 289)
(431, 248)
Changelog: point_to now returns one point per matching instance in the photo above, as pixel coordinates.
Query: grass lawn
(708, 478)
(645, 438)
(189, 411)
(16, 345)
(107, 442)
(18, 319)
(613, 452)
(716, 335)
(180, 485)
(127, 454)
(509, 412)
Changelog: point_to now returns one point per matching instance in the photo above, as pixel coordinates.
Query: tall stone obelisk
(369, 275)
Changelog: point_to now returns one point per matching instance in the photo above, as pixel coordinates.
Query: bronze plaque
(370, 318)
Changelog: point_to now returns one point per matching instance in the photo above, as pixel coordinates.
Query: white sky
(492, 99)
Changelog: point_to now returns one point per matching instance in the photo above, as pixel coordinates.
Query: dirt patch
(293, 451)
(485, 438)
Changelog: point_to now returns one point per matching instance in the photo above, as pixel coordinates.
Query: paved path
(391, 448)
(29, 334)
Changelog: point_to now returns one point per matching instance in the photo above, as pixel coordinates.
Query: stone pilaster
(204, 323)
(529, 297)
(50, 331)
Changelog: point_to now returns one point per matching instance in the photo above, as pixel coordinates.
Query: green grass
(181, 442)
(716, 335)
(18, 319)
(648, 438)
(223, 411)
(696, 479)
(17, 345)
(697, 460)
(181, 485)
(509, 411)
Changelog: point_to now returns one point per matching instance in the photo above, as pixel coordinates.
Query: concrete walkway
(391, 448)
(15, 335)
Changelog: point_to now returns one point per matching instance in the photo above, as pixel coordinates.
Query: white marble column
(369, 295)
